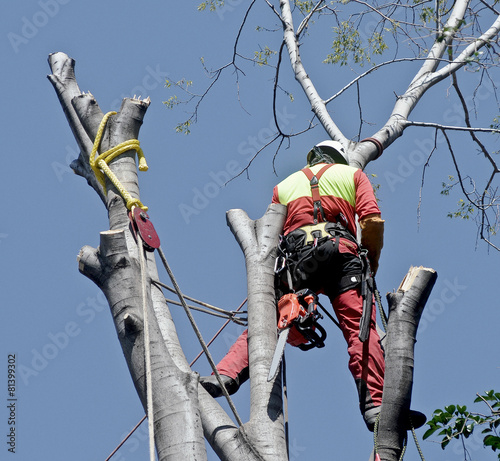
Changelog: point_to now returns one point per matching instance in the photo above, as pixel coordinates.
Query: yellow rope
(101, 169)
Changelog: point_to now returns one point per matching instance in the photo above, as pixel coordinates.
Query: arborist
(319, 251)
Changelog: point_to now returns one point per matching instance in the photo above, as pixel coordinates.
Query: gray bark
(183, 411)
(405, 309)
(258, 240)
(115, 268)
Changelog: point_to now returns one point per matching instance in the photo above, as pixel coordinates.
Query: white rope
(147, 354)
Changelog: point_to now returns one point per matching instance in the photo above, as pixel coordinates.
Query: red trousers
(366, 360)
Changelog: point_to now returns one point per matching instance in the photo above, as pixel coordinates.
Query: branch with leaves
(457, 422)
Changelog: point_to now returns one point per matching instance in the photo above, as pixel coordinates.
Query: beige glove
(372, 238)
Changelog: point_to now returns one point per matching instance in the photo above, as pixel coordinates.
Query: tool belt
(309, 257)
(315, 234)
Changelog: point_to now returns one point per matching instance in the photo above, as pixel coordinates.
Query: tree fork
(258, 241)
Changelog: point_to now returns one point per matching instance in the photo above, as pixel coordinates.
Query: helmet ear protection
(327, 152)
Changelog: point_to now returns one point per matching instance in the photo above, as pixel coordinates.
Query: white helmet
(327, 152)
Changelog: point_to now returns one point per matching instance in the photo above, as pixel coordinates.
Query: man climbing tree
(320, 252)
(125, 270)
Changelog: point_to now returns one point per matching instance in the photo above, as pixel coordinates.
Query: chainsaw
(298, 325)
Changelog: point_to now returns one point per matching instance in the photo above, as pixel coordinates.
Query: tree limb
(258, 240)
(114, 267)
(317, 104)
(405, 309)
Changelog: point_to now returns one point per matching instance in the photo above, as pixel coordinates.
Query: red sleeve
(366, 203)
(275, 195)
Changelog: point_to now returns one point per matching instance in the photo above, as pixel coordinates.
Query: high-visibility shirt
(343, 189)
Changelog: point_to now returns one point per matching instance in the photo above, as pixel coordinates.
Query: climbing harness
(316, 197)
(301, 252)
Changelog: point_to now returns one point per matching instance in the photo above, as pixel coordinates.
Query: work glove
(372, 238)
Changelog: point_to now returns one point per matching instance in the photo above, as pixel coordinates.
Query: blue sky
(75, 396)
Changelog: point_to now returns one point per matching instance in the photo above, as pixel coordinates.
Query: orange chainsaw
(298, 325)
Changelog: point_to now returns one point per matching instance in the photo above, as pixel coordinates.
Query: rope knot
(100, 163)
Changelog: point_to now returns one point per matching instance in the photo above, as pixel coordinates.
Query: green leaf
(429, 432)
(347, 45)
(492, 441)
(450, 409)
(183, 127)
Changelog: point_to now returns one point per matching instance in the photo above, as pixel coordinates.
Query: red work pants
(366, 360)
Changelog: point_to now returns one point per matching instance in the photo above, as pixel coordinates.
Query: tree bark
(405, 309)
(115, 268)
(258, 240)
(182, 409)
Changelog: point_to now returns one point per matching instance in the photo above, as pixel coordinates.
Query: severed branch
(405, 309)
(64, 82)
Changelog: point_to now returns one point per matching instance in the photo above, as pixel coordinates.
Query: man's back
(343, 189)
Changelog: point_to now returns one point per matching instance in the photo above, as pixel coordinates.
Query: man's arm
(372, 237)
(370, 221)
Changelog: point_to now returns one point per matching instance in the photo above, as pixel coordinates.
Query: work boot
(415, 420)
(212, 386)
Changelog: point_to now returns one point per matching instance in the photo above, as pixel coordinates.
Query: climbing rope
(416, 443)
(285, 406)
(100, 163)
(199, 336)
(214, 337)
(378, 299)
(375, 441)
(211, 310)
(147, 353)
(405, 443)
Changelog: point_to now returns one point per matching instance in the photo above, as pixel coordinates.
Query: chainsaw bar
(278, 354)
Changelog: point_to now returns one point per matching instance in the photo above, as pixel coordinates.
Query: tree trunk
(115, 268)
(258, 240)
(182, 409)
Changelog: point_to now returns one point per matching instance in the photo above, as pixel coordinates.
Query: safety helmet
(327, 152)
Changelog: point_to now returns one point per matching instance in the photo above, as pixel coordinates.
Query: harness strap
(316, 196)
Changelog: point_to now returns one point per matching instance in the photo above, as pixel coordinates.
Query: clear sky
(75, 398)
